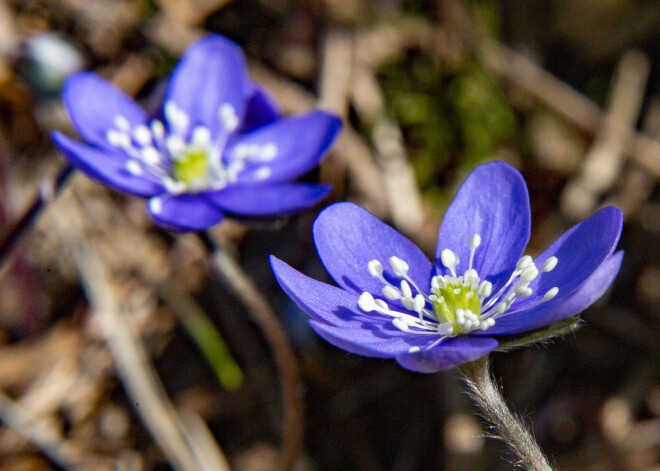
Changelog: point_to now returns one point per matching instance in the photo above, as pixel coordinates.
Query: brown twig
(226, 267)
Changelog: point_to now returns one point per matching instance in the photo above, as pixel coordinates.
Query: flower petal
(580, 251)
(546, 314)
(448, 354)
(261, 109)
(492, 202)
(348, 237)
(271, 200)
(301, 142)
(211, 73)
(107, 168)
(93, 104)
(337, 317)
(185, 212)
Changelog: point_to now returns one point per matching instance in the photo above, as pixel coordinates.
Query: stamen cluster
(458, 304)
(186, 160)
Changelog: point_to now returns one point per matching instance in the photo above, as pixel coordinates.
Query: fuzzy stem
(486, 394)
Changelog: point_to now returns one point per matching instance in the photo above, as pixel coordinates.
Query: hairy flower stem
(486, 395)
(262, 314)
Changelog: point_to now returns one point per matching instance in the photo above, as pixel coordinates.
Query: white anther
(418, 303)
(116, 138)
(448, 258)
(201, 136)
(552, 292)
(228, 117)
(457, 290)
(382, 305)
(405, 289)
(174, 187)
(157, 129)
(529, 273)
(549, 264)
(366, 302)
(399, 324)
(407, 303)
(150, 155)
(134, 167)
(460, 315)
(523, 291)
(524, 261)
(445, 329)
(156, 205)
(485, 289)
(175, 145)
(399, 267)
(435, 284)
(268, 152)
(142, 135)
(413, 349)
(375, 268)
(391, 293)
(121, 123)
(475, 241)
(470, 275)
(263, 173)
(501, 307)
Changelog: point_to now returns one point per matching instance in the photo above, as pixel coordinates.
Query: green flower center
(453, 301)
(191, 166)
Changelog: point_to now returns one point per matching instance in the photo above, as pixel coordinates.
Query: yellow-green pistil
(452, 298)
(191, 166)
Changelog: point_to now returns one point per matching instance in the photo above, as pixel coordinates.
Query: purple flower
(393, 303)
(218, 147)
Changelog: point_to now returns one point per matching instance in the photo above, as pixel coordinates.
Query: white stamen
(391, 293)
(375, 268)
(413, 349)
(151, 155)
(524, 261)
(399, 267)
(418, 303)
(268, 152)
(134, 167)
(475, 241)
(366, 302)
(401, 325)
(121, 123)
(175, 146)
(523, 291)
(529, 273)
(485, 289)
(262, 173)
(552, 292)
(405, 289)
(201, 136)
(157, 129)
(228, 117)
(142, 135)
(156, 205)
(549, 264)
(445, 329)
(116, 138)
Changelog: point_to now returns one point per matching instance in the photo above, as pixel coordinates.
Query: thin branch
(486, 394)
(262, 314)
(48, 190)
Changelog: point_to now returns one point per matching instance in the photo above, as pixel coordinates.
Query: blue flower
(393, 303)
(219, 145)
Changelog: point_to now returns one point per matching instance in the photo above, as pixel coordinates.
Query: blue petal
(93, 103)
(107, 168)
(546, 314)
(580, 251)
(261, 109)
(210, 73)
(348, 237)
(337, 317)
(271, 200)
(448, 354)
(301, 142)
(492, 202)
(185, 212)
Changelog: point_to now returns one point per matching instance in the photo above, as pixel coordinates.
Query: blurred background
(567, 91)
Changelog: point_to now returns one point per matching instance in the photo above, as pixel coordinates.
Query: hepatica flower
(393, 303)
(218, 146)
